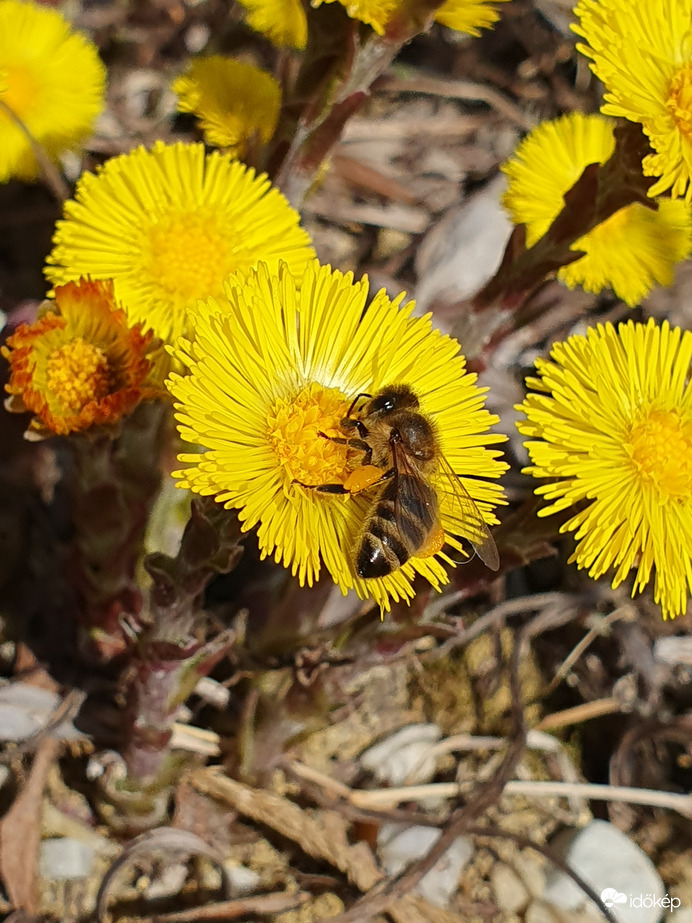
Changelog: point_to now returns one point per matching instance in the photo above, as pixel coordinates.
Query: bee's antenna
(355, 401)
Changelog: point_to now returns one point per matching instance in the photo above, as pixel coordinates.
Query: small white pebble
(243, 880)
(398, 847)
(508, 889)
(404, 756)
(615, 867)
(65, 859)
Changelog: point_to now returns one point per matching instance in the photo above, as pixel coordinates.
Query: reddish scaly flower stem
(112, 485)
(334, 85)
(601, 191)
(171, 655)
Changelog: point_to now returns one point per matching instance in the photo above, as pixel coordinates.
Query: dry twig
(260, 904)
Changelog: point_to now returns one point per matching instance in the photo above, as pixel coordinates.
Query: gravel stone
(509, 891)
(615, 867)
(65, 859)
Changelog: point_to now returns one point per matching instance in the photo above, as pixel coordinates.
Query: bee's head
(391, 400)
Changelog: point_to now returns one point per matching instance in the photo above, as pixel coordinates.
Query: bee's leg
(325, 488)
(360, 479)
(355, 423)
(358, 444)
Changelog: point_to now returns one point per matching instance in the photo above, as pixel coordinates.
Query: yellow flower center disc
(189, 256)
(679, 100)
(18, 89)
(294, 428)
(78, 373)
(661, 449)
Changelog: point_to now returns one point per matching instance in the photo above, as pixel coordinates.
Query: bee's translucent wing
(416, 509)
(461, 507)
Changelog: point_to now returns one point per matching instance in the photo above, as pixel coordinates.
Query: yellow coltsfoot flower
(79, 364)
(375, 13)
(634, 250)
(168, 226)
(51, 79)
(642, 52)
(233, 101)
(282, 21)
(274, 369)
(610, 423)
(469, 16)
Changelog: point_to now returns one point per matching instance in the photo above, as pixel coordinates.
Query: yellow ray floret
(610, 423)
(469, 16)
(375, 13)
(51, 79)
(634, 250)
(233, 101)
(168, 226)
(273, 369)
(282, 21)
(642, 52)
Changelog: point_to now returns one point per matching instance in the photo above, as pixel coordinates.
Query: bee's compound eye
(383, 403)
(398, 397)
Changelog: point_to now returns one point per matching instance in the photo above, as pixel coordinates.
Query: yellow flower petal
(642, 54)
(51, 78)
(232, 100)
(636, 249)
(375, 13)
(469, 16)
(273, 367)
(610, 423)
(168, 226)
(282, 21)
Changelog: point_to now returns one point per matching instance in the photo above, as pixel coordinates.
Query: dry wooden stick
(261, 904)
(626, 612)
(580, 713)
(383, 798)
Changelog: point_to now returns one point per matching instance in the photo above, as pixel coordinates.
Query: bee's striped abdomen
(399, 524)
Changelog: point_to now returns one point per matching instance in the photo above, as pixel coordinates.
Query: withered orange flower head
(80, 364)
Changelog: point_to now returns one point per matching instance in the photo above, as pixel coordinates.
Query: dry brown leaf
(20, 832)
(324, 838)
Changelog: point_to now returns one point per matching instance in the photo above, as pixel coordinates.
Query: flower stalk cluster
(331, 426)
(171, 653)
(344, 85)
(112, 484)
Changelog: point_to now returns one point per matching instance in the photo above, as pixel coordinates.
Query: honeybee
(401, 458)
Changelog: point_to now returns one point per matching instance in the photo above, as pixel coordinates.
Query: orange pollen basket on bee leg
(362, 478)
